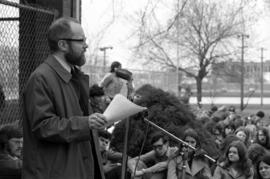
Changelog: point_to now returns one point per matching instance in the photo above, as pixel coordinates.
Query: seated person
(235, 163)
(159, 157)
(111, 160)
(189, 163)
(263, 167)
(262, 138)
(10, 152)
(97, 99)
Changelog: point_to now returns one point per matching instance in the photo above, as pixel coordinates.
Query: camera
(124, 74)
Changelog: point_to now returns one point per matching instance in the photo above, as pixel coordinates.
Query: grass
(250, 109)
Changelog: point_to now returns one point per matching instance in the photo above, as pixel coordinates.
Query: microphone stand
(184, 158)
(127, 126)
(184, 166)
(125, 156)
(177, 139)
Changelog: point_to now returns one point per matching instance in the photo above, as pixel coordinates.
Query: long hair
(255, 152)
(265, 159)
(192, 133)
(244, 163)
(198, 153)
(245, 130)
(266, 134)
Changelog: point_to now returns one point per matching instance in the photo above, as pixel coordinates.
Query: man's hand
(139, 173)
(97, 121)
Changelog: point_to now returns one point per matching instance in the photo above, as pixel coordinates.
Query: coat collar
(58, 68)
(230, 172)
(196, 167)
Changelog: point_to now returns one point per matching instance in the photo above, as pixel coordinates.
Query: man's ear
(62, 45)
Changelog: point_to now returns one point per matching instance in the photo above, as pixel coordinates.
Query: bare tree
(208, 31)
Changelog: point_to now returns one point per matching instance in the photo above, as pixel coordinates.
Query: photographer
(112, 82)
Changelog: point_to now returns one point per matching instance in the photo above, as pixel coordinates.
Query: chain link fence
(23, 46)
(164, 80)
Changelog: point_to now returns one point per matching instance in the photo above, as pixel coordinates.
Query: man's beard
(72, 59)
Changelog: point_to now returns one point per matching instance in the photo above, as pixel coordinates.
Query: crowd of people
(243, 144)
(65, 133)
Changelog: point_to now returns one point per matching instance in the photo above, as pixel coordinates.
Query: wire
(144, 140)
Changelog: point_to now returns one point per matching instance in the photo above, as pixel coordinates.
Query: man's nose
(20, 144)
(85, 45)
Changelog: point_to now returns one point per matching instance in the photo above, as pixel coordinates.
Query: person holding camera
(112, 83)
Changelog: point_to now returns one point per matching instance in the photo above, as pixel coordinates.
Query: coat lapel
(196, 167)
(232, 174)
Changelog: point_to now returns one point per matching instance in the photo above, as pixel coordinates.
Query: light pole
(104, 49)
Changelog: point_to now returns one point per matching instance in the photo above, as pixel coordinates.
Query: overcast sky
(113, 15)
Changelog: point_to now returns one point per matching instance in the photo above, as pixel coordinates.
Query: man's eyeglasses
(106, 141)
(157, 147)
(74, 40)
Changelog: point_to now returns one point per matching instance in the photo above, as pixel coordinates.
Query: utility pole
(261, 75)
(177, 48)
(104, 49)
(242, 36)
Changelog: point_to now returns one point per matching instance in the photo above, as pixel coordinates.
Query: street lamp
(104, 57)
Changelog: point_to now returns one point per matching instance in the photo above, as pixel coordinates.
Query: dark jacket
(226, 173)
(198, 170)
(58, 143)
(10, 168)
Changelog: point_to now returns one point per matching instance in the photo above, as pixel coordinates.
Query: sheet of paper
(121, 108)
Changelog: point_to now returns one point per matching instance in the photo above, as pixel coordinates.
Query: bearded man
(59, 136)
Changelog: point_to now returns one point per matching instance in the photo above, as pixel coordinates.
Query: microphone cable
(144, 140)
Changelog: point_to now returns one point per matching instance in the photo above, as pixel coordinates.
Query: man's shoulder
(42, 74)
(47, 68)
(43, 68)
(43, 71)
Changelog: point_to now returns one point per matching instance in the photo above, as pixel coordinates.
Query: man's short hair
(159, 135)
(59, 29)
(115, 64)
(105, 134)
